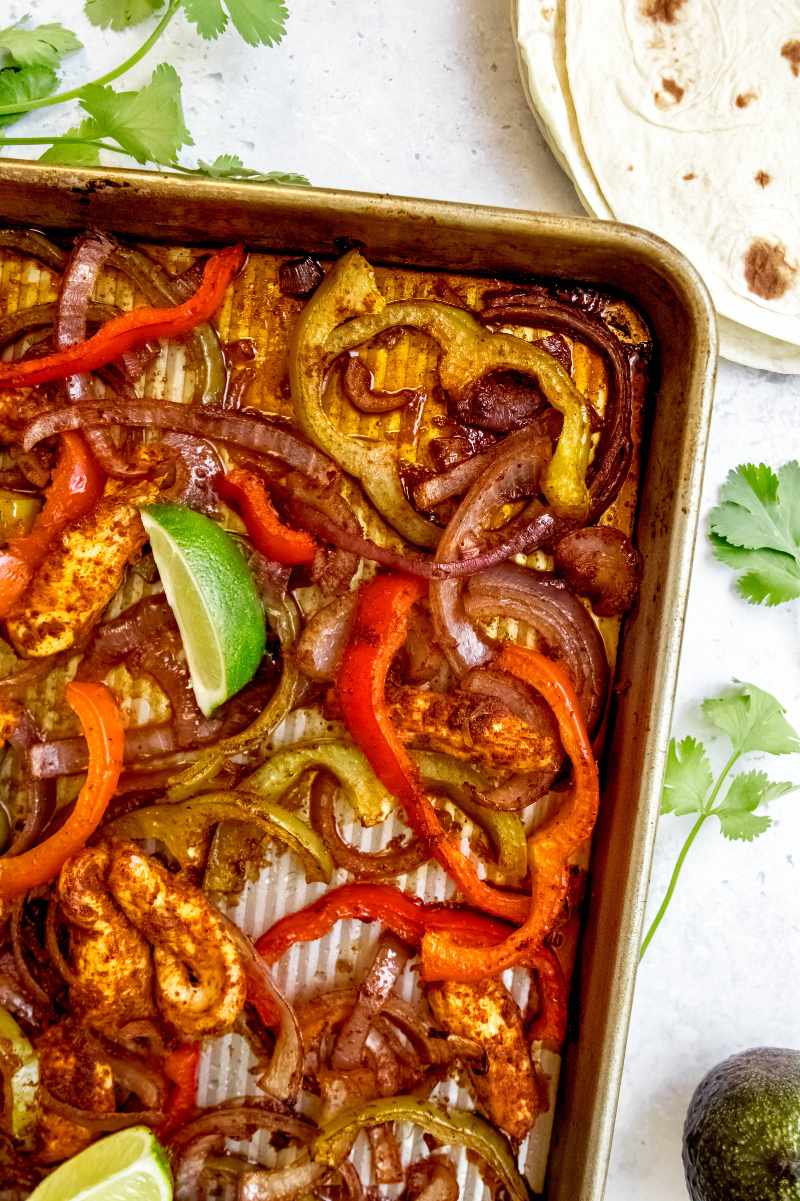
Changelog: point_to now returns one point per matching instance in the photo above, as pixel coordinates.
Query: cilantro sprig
(751, 720)
(756, 531)
(147, 124)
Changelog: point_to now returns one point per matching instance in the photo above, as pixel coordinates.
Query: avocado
(741, 1139)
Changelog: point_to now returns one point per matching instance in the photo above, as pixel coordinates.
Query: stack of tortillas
(683, 117)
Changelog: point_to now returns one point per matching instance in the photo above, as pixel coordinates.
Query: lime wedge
(128, 1166)
(211, 592)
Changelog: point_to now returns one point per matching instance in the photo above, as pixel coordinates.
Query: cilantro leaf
(21, 84)
(43, 46)
(259, 22)
(770, 577)
(230, 166)
(750, 789)
(688, 777)
(120, 14)
(756, 530)
(70, 154)
(743, 826)
(753, 720)
(147, 124)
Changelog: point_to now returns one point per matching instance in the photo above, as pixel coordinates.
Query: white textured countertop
(422, 99)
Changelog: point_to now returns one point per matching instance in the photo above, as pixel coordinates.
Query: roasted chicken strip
(111, 961)
(487, 1014)
(82, 572)
(73, 1070)
(200, 979)
(477, 728)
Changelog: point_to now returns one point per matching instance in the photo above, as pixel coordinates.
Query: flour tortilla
(687, 112)
(538, 27)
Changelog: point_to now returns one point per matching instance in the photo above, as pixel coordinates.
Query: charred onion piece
(364, 865)
(499, 402)
(601, 563)
(321, 645)
(564, 627)
(300, 277)
(283, 1077)
(387, 966)
(83, 267)
(359, 388)
(513, 472)
(34, 797)
(248, 430)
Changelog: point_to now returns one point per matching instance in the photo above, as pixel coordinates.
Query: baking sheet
(255, 311)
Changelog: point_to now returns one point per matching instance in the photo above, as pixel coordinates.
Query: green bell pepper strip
(362, 788)
(348, 289)
(448, 1126)
(284, 619)
(17, 514)
(184, 827)
(464, 785)
(23, 1084)
(469, 351)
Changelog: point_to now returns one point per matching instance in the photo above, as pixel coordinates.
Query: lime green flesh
(128, 1166)
(212, 594)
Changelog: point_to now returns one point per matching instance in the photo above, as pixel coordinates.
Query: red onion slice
(387, 967)
(248, 430)
(322, 643)
(515, 470)
(364, 865)
(281, 1184)
(284, 1075)
(563, 624)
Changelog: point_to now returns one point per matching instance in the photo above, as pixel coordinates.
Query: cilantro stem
(662, 909)
(27, 106)
(62, 140)
(706, 811)
(723, 775)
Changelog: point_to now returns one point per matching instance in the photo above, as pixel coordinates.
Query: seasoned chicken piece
(473, 727)
(18, 406)
(200, 979)
(111, 961)
(82, 572)
(486, 1013)
(73, 1069)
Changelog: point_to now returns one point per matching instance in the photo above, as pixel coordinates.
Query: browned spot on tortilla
(674, 89)
(690, 175)
(662, 10)
(762, 178)
(766, 270)
(791, 52)
(745, 98)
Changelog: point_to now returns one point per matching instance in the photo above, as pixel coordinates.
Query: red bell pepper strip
(248, 492)
(550, 1024)
(133, 329)
(410, 919)
(181, 1067)
(101, 721)
(550, 846)
(76, 487)
(378, 633)
(407, 917)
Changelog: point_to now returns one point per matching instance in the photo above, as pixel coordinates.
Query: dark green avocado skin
(741, 1139)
